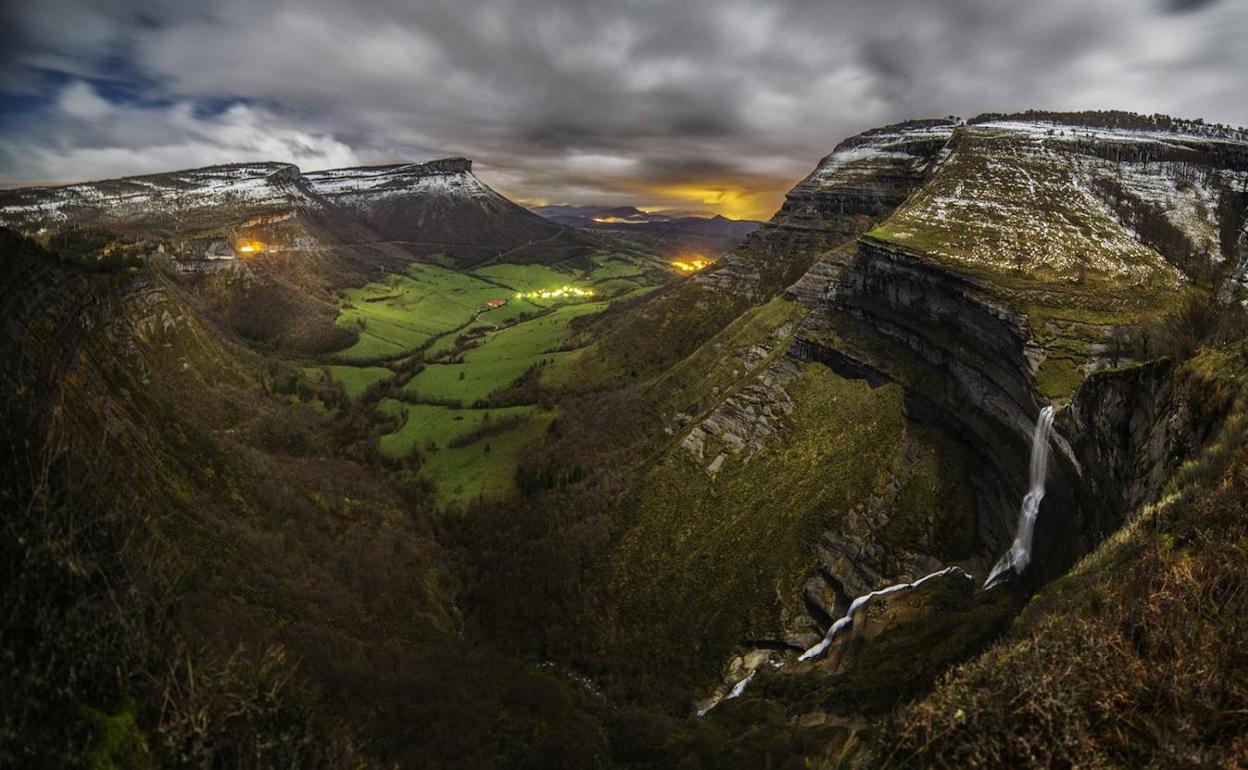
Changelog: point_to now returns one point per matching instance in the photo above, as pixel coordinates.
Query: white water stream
(853, 621)
(1016, 559)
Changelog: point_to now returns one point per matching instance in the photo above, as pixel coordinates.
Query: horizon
(533, 204)
(713, 106)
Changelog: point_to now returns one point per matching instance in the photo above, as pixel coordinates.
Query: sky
(715, 105)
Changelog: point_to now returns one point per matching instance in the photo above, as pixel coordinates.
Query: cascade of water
(737, 690)
(1016, 558)
(853, 620)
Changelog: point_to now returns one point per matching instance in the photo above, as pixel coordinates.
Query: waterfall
(854, 618)
(737, 690)
(1016, 559)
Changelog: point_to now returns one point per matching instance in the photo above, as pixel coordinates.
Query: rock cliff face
(1235, 289)
(886, 314)
(995, 286)
(987, 275)
(864, 179)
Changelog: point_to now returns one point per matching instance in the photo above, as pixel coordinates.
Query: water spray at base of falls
(1016, 559)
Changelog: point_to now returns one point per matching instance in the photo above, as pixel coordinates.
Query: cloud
(87, 136)
(588, 100)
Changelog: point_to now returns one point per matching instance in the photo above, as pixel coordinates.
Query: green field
(403, 312)
(425, 311)
(502, 358)
(483, 468)
(525, 277)
(355, 379)
(429, 304)
(486, 468)
(430, 427)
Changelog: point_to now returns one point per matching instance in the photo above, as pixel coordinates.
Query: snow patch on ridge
(252, 185)
(444, 178)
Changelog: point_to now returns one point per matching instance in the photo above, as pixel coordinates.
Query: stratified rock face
(995, 286)
(434, 207)
(358, 187)
(860, 183)
(1235, 289)
(864, 179)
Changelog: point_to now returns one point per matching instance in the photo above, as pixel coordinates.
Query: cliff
(862, 181)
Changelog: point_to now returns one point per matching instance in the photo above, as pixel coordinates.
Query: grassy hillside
(706, 556)
(203, 568)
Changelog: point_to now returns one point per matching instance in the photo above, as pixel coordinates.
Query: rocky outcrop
(1235, 288)
(864, 179)
(745, 421)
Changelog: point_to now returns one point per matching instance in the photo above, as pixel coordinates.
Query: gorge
(382, 468)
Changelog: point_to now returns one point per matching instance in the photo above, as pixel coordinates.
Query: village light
(562, 292)
(692, 265)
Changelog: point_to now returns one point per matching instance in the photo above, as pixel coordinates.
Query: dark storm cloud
(721, 102)
(1184, 6)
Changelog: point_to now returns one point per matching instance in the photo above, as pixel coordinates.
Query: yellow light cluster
(692, 265)
(563, 292)
(250, 247)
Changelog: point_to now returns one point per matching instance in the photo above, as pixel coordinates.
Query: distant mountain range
(438, 207)
(668, 231)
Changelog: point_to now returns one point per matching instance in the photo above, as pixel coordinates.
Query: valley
(457, 342)
(383, 468)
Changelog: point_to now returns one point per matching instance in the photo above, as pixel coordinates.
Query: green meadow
(428, 306)
(462, 472)
(430, 427)
(501, 358)
(468, 452)
(402, 313)
(355, 379)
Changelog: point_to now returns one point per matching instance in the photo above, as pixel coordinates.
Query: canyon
(771, 511)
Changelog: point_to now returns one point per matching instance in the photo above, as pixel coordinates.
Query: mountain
(941, 466)
(421, 208)
(439, 207)
(853, 396)
(584, 216)
(273, 244)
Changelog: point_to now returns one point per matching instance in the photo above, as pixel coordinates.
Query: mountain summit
(436, 207)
